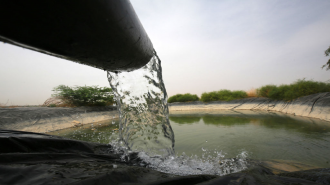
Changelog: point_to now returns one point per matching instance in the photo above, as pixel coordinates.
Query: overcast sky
(204, 45)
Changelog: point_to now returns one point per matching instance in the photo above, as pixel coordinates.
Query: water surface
(263, 135)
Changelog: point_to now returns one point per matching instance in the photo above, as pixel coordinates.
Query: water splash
(146, 137)
(142, 103)
(211, 163)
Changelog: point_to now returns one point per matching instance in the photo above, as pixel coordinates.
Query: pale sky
(204, 45)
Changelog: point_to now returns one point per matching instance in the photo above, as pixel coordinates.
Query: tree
(327, 65)
(84, 95)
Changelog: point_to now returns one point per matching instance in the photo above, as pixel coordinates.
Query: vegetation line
(65, 96)
(284, 92)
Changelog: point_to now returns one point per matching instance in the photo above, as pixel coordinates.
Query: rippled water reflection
(262, 135)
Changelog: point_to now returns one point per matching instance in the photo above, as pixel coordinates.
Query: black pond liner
(34, 158)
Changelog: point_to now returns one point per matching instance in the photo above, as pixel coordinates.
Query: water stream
(144, 126)
(142, 103)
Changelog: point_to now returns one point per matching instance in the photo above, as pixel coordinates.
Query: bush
(84, 95)
(225, 95)
(183, 98)
(265, 90)
(295, 90)
(278, 93)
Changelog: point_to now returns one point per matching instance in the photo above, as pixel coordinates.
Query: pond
(262, 135)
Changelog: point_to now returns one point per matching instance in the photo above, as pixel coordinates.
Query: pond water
(262, 135)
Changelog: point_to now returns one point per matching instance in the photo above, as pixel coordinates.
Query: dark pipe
(106, 34)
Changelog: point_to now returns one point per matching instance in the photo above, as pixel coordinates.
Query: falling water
(142, 103)
(145, 129)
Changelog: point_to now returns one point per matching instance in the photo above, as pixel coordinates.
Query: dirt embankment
(44, 119)
(313, 106)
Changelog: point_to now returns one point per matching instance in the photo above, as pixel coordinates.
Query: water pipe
(105, 34)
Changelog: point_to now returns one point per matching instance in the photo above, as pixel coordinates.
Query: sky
(204, 45)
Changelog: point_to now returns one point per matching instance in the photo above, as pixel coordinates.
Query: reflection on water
(270, 120)
(264, 135)
(227, 134)
(210, 162)
(225, 120)
(185, 120)
(295, 125)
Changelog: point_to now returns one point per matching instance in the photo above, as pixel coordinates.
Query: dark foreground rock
(33, 158)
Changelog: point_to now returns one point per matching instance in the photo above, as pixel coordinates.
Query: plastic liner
(46, 119)
(33, 158)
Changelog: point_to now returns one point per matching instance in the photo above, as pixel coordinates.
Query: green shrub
(210, 96)
(84, 95)
(183, 98)
(265, 90)
(224, 95)
(52, 105)
(304, 88)
(237, 95)
(295, 90)
(278, 93)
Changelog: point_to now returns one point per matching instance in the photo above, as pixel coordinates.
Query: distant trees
(84, 95)
(294, 90)
(183, 98)
(327, 65)
(223, 95)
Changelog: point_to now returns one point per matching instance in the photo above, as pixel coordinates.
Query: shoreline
(46, 119)
(311, 106)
